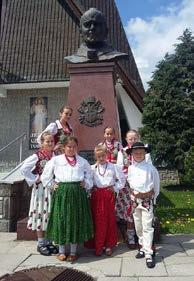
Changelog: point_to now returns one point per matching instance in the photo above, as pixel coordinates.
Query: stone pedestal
(23, 233)
(92, 96)
(10, 205)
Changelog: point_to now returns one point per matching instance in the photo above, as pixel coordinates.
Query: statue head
(93, 27)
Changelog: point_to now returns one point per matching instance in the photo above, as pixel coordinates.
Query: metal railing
(21, 138)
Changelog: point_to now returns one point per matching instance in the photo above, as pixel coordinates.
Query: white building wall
(133, 114)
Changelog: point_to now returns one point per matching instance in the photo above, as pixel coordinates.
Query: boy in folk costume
(111, 144)
(108, 179)
(123, 202)
(70, 220)
(40, 197)
(144, 184)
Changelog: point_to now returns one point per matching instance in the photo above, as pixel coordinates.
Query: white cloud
(151, 39)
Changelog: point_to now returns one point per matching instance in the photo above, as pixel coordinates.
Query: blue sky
(152, 28)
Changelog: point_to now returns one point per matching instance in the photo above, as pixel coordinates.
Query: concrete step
(12, 176)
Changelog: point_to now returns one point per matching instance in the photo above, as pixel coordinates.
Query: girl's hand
(111, 189)
(82, 184)
(55, 186)
(94, 188)
(38, 180)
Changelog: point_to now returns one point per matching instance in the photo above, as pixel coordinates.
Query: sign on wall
(38, 119)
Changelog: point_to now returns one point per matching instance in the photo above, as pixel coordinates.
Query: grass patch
(175, 209)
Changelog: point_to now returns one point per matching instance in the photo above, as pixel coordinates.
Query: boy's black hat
(138, 145)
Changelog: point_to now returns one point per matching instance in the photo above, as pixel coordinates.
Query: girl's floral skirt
(70, 219)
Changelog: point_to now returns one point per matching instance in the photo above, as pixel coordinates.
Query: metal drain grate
(72, 275)
(50, 273)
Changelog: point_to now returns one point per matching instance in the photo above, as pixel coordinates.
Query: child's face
(48, 143)
(65, 115)
(131, 138)
(109, 134)
(138, 154)
(70, 149)
(101, 157)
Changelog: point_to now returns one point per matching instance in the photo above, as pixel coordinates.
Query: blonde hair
(99, 148)
(47, 133)
(132, 131)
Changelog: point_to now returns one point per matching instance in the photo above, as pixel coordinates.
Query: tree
(168, 115)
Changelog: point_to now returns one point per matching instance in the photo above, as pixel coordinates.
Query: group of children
(122, 184)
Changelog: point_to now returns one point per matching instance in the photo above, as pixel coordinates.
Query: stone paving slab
(134, 267)
(183, 278)
(106, 266)
(117, 279)
(178, 260)
(179, 238)
(10, 262)
(180, 266)
(188, 248)
(166, 250)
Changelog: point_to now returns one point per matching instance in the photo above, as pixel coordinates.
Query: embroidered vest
(42, 160)
(62, 132)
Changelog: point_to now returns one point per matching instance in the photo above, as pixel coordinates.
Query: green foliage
(168, 115)
(175, 209)
(189, 166)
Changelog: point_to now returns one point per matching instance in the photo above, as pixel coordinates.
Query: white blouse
(59, 168)
(27, 168)
(143, 177)
(52, 128)
(108, 174)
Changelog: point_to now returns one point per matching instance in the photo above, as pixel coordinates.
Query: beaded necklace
(71, 160)
(103, 173)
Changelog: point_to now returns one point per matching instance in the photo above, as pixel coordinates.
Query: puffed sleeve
(120, 159)
(27, 167)
(52, 128)
(88, 175)
(156, 180)
(120, 179)
(48, 173)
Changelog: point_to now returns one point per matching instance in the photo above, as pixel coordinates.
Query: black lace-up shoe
(140, 255)
(150, 262)
(43, 250)
(53, 249)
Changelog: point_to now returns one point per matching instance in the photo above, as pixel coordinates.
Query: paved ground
(174, 260)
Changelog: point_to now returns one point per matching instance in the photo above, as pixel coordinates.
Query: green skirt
(70, 220)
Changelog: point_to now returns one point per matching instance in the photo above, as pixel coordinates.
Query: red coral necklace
(104, 171)
(71, 160)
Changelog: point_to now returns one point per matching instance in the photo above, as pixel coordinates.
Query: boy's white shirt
(59, 167)
(143, 177)
(113, 176)
(120, 157)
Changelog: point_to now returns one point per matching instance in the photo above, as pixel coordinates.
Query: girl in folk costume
(123, 201)
(40, 198)
(112, 146)
(60, 128)
(70, 220)
(108, 179)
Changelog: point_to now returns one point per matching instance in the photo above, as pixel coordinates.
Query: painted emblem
(91, 112)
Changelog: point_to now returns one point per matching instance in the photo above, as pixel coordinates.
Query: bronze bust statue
(94, 32)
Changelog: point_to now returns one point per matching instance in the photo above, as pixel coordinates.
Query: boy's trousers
(143, 219)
